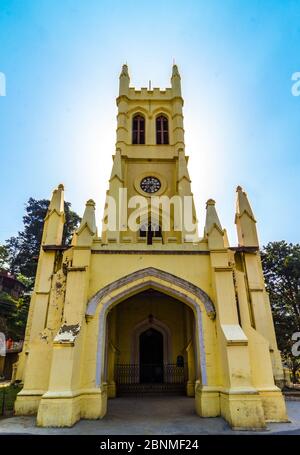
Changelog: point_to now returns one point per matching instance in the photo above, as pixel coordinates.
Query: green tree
(17, 319)
(14, 311)
(13, 315)
(281, 264)
(20, 257)
(3, 257)
(23, 249)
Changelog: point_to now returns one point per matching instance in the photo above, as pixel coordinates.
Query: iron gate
(130, 378)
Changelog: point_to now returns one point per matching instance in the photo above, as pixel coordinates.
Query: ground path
(150, 416)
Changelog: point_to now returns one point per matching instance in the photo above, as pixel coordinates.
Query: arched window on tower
(162, 130)
(138, 129)
(150, 230)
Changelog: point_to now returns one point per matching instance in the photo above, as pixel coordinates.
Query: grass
(7, 398)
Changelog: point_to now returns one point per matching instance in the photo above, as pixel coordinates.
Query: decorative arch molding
(141, 327)
(162, 111)
(137, 110)
(158, 215)
(145, 275)
(136, 282)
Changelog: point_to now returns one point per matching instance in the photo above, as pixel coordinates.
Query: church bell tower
(150, 163)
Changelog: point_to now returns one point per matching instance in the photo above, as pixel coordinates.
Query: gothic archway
(186, 291)
(136, 282)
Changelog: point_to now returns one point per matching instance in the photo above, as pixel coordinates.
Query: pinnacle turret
(88, 218)
(176, 81)
(124, 81)
(57, 199)
(212, 219)
(244, 220)
(55, 218)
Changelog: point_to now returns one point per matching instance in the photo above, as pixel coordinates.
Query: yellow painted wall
(70, 351)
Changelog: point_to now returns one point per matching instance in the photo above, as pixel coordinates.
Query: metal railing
(131, 373)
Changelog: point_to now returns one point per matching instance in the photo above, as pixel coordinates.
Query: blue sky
(62, 59)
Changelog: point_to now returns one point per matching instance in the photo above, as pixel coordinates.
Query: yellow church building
(150, 307)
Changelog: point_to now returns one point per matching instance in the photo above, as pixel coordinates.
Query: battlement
(146, 93)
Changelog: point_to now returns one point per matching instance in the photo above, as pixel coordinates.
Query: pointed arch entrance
(183, 295)
(149, 331)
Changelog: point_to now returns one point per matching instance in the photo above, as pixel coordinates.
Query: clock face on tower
(150, 184)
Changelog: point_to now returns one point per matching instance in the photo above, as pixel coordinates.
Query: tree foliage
(23, 249)
(3, 257)
(20, 257)
(13, 315)
(281, 264)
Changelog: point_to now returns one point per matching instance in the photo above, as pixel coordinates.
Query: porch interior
(150, 346)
